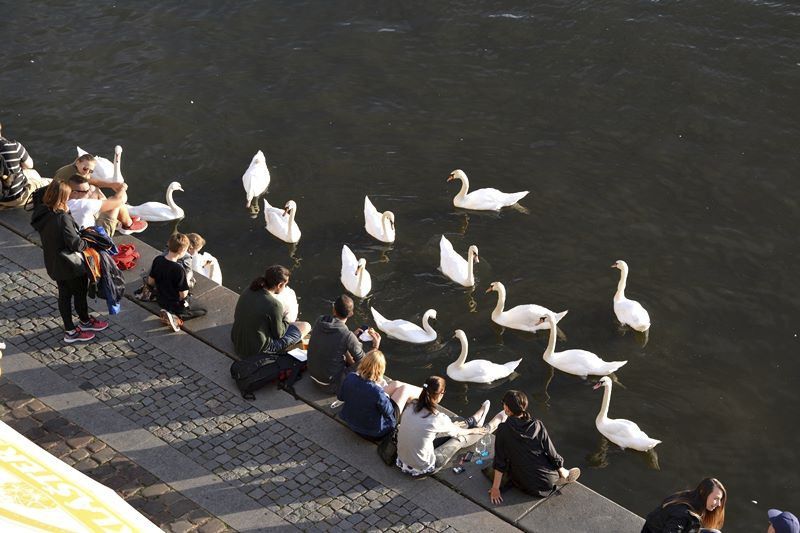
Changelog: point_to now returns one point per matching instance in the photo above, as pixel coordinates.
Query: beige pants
(35, 181)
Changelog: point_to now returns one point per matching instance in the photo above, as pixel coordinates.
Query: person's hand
(358, 331)
(118, 187)
(495, 496)
(376, 337)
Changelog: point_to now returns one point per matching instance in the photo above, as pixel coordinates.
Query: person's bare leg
(401, 393)
(304, 327)
(123, 217)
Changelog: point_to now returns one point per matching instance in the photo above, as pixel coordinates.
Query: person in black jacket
(690, 511)
(524, 455)
(62, 246)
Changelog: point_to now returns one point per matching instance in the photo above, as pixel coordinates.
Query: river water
(661, 133)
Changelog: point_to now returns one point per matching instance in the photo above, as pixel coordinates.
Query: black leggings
(68, 290)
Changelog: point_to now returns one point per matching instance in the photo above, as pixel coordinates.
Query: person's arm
(25, 160)
(113, 202)
(494, 492)
(151, 282)
(101, 184)
(72, 239)
(354, 348)
(550, 449)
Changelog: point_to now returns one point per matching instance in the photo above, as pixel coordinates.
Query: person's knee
(304, 327)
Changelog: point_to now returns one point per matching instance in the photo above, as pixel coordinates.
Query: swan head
(431, 313)
(457, 174)
(545, 318)
(495, 286)
(362, 265)
(620, 264)
(460, 335)
(174, 186)
(259, 158)
(117, 150)
(605, 381)
(388, 215)
(474, 251)
(290, 207)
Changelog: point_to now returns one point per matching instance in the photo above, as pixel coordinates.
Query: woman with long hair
(690, 511)
(524, 455)
(419, 450)
(61, 246)
(372, 407)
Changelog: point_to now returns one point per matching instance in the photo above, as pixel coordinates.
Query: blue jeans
(292, 336)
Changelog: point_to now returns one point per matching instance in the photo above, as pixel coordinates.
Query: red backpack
(126, 257)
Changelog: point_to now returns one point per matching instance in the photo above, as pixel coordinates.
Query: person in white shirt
(89, 212)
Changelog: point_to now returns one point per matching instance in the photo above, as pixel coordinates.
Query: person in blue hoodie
(372, 407)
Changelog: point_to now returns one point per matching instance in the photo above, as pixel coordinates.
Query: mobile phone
(458, 469)
(468, 456)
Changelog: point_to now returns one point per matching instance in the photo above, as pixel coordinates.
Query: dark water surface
(665, 134)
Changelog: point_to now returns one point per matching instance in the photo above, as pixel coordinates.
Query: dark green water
(664, 134)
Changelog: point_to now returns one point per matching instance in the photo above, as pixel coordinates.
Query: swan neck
(551, 342)
(603, 414)
(291, 223)
(170, 202)
(425, 325)
(117, 171)
(623, 281)
(470, 267)
(386, 225)
(464, 188)
(501, 301)
(462, 357)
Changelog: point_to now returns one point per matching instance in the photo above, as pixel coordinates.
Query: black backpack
(256, 371)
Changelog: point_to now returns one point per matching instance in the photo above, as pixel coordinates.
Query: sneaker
(78, 336)
(574, 474)
(168, 319)
(137, 226)
(93, 325)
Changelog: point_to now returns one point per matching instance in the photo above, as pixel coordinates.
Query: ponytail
(258, 284)
(431, 389)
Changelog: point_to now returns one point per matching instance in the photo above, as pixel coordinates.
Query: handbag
(387, 448)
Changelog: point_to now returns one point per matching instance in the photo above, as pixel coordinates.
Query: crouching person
(169, 279)
(524, 455)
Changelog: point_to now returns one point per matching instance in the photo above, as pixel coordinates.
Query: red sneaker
(137, 226)
(78, 336)
(93, 325)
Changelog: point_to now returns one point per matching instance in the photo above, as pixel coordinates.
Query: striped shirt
(14, 154)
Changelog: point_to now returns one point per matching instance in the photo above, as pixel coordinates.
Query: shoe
(168, 319)
(137, 226)
(93, 325)
(78, 336)
(574, 474)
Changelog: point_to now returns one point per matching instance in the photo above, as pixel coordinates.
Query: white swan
(629, 312)
(524, 317)
(289, 300)
(482, 199)
(104, 169)
(403, 330)
(207, 265)
(280, 222)
(578, 362)
(158, 212)
(456, 267)
(477, 370)
(255, 180)
(623, 433)
(379, 225)
(354, 276)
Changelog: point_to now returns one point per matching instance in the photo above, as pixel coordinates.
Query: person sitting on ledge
(18, 179)
(172, 289)
(372, 407)
(334, 350)
(690, 511)
(259, 320)
(420, 449)
(524, 455)
(84, 166)
(89, 212)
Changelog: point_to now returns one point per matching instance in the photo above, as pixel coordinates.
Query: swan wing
(583, 363)
(256, 178)
(372, 220)
(632, 313)
(525, 317)
(399, 329)
(626, 434)
(490, 199)
(348, 273)
(481, 371)
(152, 211)
(453, 265)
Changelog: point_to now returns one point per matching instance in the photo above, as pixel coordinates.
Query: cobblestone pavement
(162, 505)
(263, 458)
